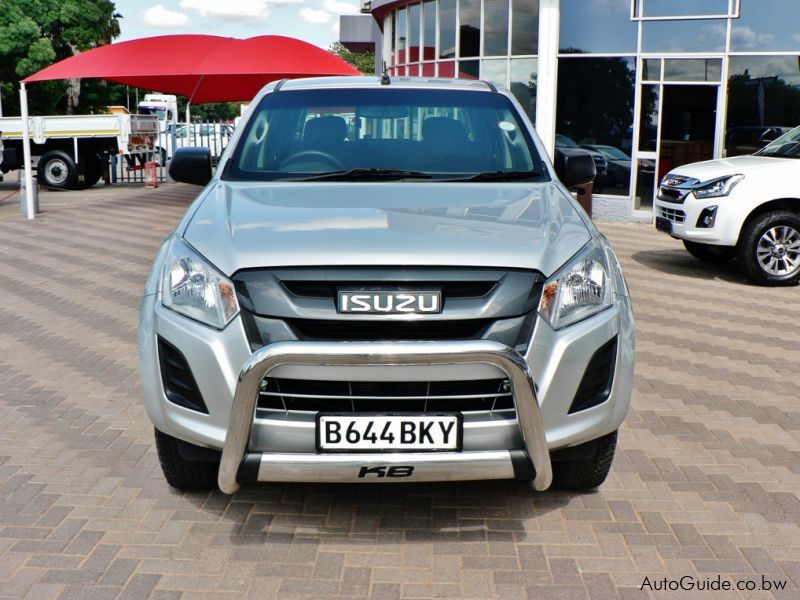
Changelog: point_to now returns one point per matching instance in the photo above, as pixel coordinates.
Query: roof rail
(491, 86)
(279, 85)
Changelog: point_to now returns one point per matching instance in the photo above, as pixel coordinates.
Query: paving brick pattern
(705, 481)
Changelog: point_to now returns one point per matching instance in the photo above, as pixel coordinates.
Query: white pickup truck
(745, 207)
(73, 149)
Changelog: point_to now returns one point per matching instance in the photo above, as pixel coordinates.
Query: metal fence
(213, 134)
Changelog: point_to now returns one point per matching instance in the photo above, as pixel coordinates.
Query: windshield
(565, 142)
(384, 133)
(786, 146)
(612, 152)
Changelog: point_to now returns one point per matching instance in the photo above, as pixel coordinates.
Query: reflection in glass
(401, 36)
(447, 69)
(595, 106)
(525, 31)
(394, 38)
(468, 69)
(495, 27)
(684, 8)
(428, 69)
(597, 27)
(704, 35)
(763, 100)
(645, 184)
(428, 30)
(447, 28)
(495, 70)
(648, 119)
(693, 69)
(413, 33)
(469, 14)
(523, 84)
(767, 25)
(651, 69)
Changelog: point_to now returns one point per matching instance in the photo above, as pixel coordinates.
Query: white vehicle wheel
(769, 249)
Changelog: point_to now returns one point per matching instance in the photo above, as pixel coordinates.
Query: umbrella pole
(26, 150)
(188, 121)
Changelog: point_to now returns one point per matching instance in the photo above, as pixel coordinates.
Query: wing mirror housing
(191, 165)
(574, 167)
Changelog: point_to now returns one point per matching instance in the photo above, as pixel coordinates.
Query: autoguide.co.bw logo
(688, 582)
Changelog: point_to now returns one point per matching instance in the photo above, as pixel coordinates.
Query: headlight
(579, 290)
(717, 188)
(193, 288)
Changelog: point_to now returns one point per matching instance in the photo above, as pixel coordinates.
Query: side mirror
(191, 165)
(574, 166)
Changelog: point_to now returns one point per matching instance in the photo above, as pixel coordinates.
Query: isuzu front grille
(385, 396)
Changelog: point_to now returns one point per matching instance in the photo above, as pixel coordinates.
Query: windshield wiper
(364, 175)
(501, 176)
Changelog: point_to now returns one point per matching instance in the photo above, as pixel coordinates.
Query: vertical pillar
(26, 151)
(188, 123)
(547, 73)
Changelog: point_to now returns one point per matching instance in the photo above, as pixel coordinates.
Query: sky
(315, 21)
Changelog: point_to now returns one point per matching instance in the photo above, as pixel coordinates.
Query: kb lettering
(394, 471)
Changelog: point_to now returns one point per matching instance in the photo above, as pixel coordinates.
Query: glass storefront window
(447, 69)
(648, 119)
(525, 28)
(468, 69)
(694, 69)
(428, 31)
(447, 28)
(428, 70)
(393, 41)
(523, 84)
(597, 27)
(495, 70)
(469, 13)
(595, 107)
(684, 8)
(763, 100)
(495, 27)
(413, 33)
(704, 35)
(401, 36)
(767, 25)
(651, 69)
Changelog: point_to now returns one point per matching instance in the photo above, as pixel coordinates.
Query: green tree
(37, 33)
(363, 61)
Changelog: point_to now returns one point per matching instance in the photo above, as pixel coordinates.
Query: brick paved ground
(705, 482)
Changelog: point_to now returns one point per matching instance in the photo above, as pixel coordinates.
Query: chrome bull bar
(412, 353)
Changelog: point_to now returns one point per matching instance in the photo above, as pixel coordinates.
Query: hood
(248, 225)
(711, 169)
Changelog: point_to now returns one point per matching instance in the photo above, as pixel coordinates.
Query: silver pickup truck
(385, 281)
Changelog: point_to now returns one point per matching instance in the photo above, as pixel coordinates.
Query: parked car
(619, 164)
(600, 161)
(414, 298)
(746, 207)
(747, 140)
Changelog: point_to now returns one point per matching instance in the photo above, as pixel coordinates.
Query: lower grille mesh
(385, 396)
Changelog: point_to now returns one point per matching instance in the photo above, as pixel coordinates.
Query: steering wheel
(312, 156)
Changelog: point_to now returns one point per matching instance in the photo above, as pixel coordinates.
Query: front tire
(577, 471)
(709, 253)
(57, 170)
(183, 473)
(769, 249)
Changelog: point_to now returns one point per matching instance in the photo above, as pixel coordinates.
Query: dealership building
(654, 83)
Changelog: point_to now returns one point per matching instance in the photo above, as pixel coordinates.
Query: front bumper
(685, 217)
(239, 464)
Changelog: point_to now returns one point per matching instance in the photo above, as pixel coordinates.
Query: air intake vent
(596, 384)
(380, 330)
(450, 289)
(385, 396)
(179, 384)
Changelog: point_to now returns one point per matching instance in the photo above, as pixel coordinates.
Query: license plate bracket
(663, 224)
(443, 432)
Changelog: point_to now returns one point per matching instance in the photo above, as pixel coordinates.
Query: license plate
(663, 224)
(388, 433)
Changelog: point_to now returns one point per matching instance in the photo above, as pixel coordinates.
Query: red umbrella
(204, 68)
